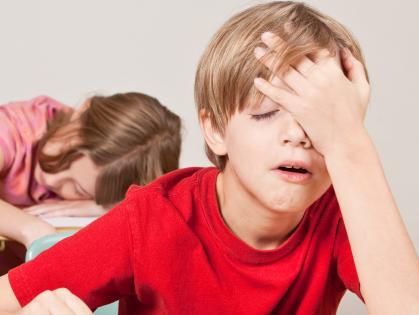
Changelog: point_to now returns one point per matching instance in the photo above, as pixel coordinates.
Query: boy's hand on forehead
(329, 105)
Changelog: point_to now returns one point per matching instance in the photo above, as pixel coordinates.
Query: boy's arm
(330, 107)
(57, 302)
(96, 270)
(8, 300)
(384, 255)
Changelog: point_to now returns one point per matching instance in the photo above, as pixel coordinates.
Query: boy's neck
(248, 219)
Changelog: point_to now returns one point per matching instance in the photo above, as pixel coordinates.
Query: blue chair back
(46, 242)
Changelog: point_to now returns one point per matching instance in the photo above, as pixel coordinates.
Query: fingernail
(258, 81)
(260, 52)
(268, 36)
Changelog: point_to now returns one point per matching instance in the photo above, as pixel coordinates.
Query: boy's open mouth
(293, 169)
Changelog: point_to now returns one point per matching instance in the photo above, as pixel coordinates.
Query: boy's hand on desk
(73, 208)
(329, 105)
(57, 302)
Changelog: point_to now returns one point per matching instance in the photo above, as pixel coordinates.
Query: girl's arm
(71, 208)
(20, 226)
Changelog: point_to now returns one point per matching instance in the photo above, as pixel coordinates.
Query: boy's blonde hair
(225, 74)
(131, 136)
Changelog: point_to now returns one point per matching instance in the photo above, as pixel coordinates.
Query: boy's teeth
(293, 169)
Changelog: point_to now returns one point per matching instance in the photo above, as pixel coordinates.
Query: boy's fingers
(355, 72)
(279, 95)
(325, 64)
(278, 82)
(48, 303)
(320, 55)
(296, 81)
(305, 66)
(266, 58)
(274, 42)
(34, 308)
(271, 40)
(293, 78)
(353, 67)
(73, 302)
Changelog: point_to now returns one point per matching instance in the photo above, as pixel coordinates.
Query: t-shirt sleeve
(22, 123)
(8, 135)
(345, 263)
(95, 263)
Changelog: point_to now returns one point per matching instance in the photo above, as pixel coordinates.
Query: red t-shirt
(166, 250)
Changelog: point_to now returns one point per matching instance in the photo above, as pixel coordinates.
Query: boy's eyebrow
(264, 102)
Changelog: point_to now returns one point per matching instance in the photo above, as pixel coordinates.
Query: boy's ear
(213, 138)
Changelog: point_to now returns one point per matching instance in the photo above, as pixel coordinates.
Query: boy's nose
(293, 134)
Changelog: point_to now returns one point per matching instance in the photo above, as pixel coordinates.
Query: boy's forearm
(384, 255)
(8, 301)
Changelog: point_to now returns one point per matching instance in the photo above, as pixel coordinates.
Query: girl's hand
(57, 302)
(328, 105)
(80, 208)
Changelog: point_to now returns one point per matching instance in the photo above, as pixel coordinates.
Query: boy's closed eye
(267, 115)
(264, 110)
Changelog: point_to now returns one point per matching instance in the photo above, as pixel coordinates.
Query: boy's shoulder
(170, 201)
(174, 186)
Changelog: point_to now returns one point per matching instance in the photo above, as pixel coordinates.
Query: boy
(262, 233)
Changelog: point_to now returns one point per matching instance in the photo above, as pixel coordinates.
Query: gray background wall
(71, 49)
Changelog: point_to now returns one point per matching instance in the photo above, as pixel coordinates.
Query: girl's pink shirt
(22, 124)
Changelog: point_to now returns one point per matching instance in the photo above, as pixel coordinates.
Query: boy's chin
(293, 200)
(288, 206)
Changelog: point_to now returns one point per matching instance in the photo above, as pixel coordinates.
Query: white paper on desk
(67, 222)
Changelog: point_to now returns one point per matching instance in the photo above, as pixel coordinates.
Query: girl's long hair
(131, 137)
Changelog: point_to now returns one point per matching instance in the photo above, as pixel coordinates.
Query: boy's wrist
(353, 151)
